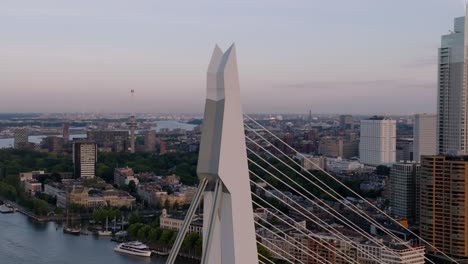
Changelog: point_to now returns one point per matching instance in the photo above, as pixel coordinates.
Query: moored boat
(4, 209)
(72, 230)
(105, 232)
(161, 253)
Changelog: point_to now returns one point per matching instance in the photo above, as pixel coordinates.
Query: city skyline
(70, 57)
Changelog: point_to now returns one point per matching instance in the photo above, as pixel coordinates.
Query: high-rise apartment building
(404, 185)
(150, 141)
(53, 144)
(20, 137)
(377, 145)
(66, 131)
(424, 135)
(132, 125)
(444, 204)
(346, 122)
(110, 140)
(84, 159)
(452, 104)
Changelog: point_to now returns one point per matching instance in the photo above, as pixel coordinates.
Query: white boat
(106, 232)
(121, 233)
(135, 248)
(4, 209)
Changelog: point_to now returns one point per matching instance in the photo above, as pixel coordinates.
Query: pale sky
(342, 56)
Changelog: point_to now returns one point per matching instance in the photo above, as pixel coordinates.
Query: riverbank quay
(28, 213)
(164, 251)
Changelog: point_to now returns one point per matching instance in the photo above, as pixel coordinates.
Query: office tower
(424, 135)
(377, 145)
(404, 185)
(20, 138)
(309, 118)
(66, 131)
(109, 140)
(150, 141)
(404, 149)
(335, 147)
(84, 159)
(444, 204)
(53, 144)
(346, 122)
(452, 105)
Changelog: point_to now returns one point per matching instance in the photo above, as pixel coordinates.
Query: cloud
(422, 62)
(343, 85)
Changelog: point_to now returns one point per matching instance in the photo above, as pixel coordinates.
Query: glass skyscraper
(452, 91)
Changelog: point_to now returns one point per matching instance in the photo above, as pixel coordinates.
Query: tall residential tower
(84, 159)
(452, 110)
(444, 211)
(424, 134)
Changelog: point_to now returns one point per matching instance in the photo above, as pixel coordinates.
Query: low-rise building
(24, 176)
(73, 192)
(339, 165)
(116, 198)
(124, 176)
(171, 223)
(391, 254)
(310, 162)
(172, 179)
(32, 187)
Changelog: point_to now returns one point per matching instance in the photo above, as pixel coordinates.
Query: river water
(24, 241)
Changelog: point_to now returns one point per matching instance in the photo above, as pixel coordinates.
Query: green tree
(14, 181)
(8, 191)
(198, 246)
(165, 237)
(262, 251)
(132, 187)
(154, 234)
(190, 241)
(143, 232)
(172, 239)
(105, 172)
(135, 218)
(133, 229)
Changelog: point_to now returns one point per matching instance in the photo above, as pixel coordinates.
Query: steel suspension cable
(348, 222)
(349, 189)
(290, 243)
(335, 232)
(265, 258)
(280, 249)
(356, 209)
(329, 246)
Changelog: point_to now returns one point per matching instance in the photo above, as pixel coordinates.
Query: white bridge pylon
(228, 221)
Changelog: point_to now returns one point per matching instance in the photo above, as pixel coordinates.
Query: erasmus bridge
(232, 232)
